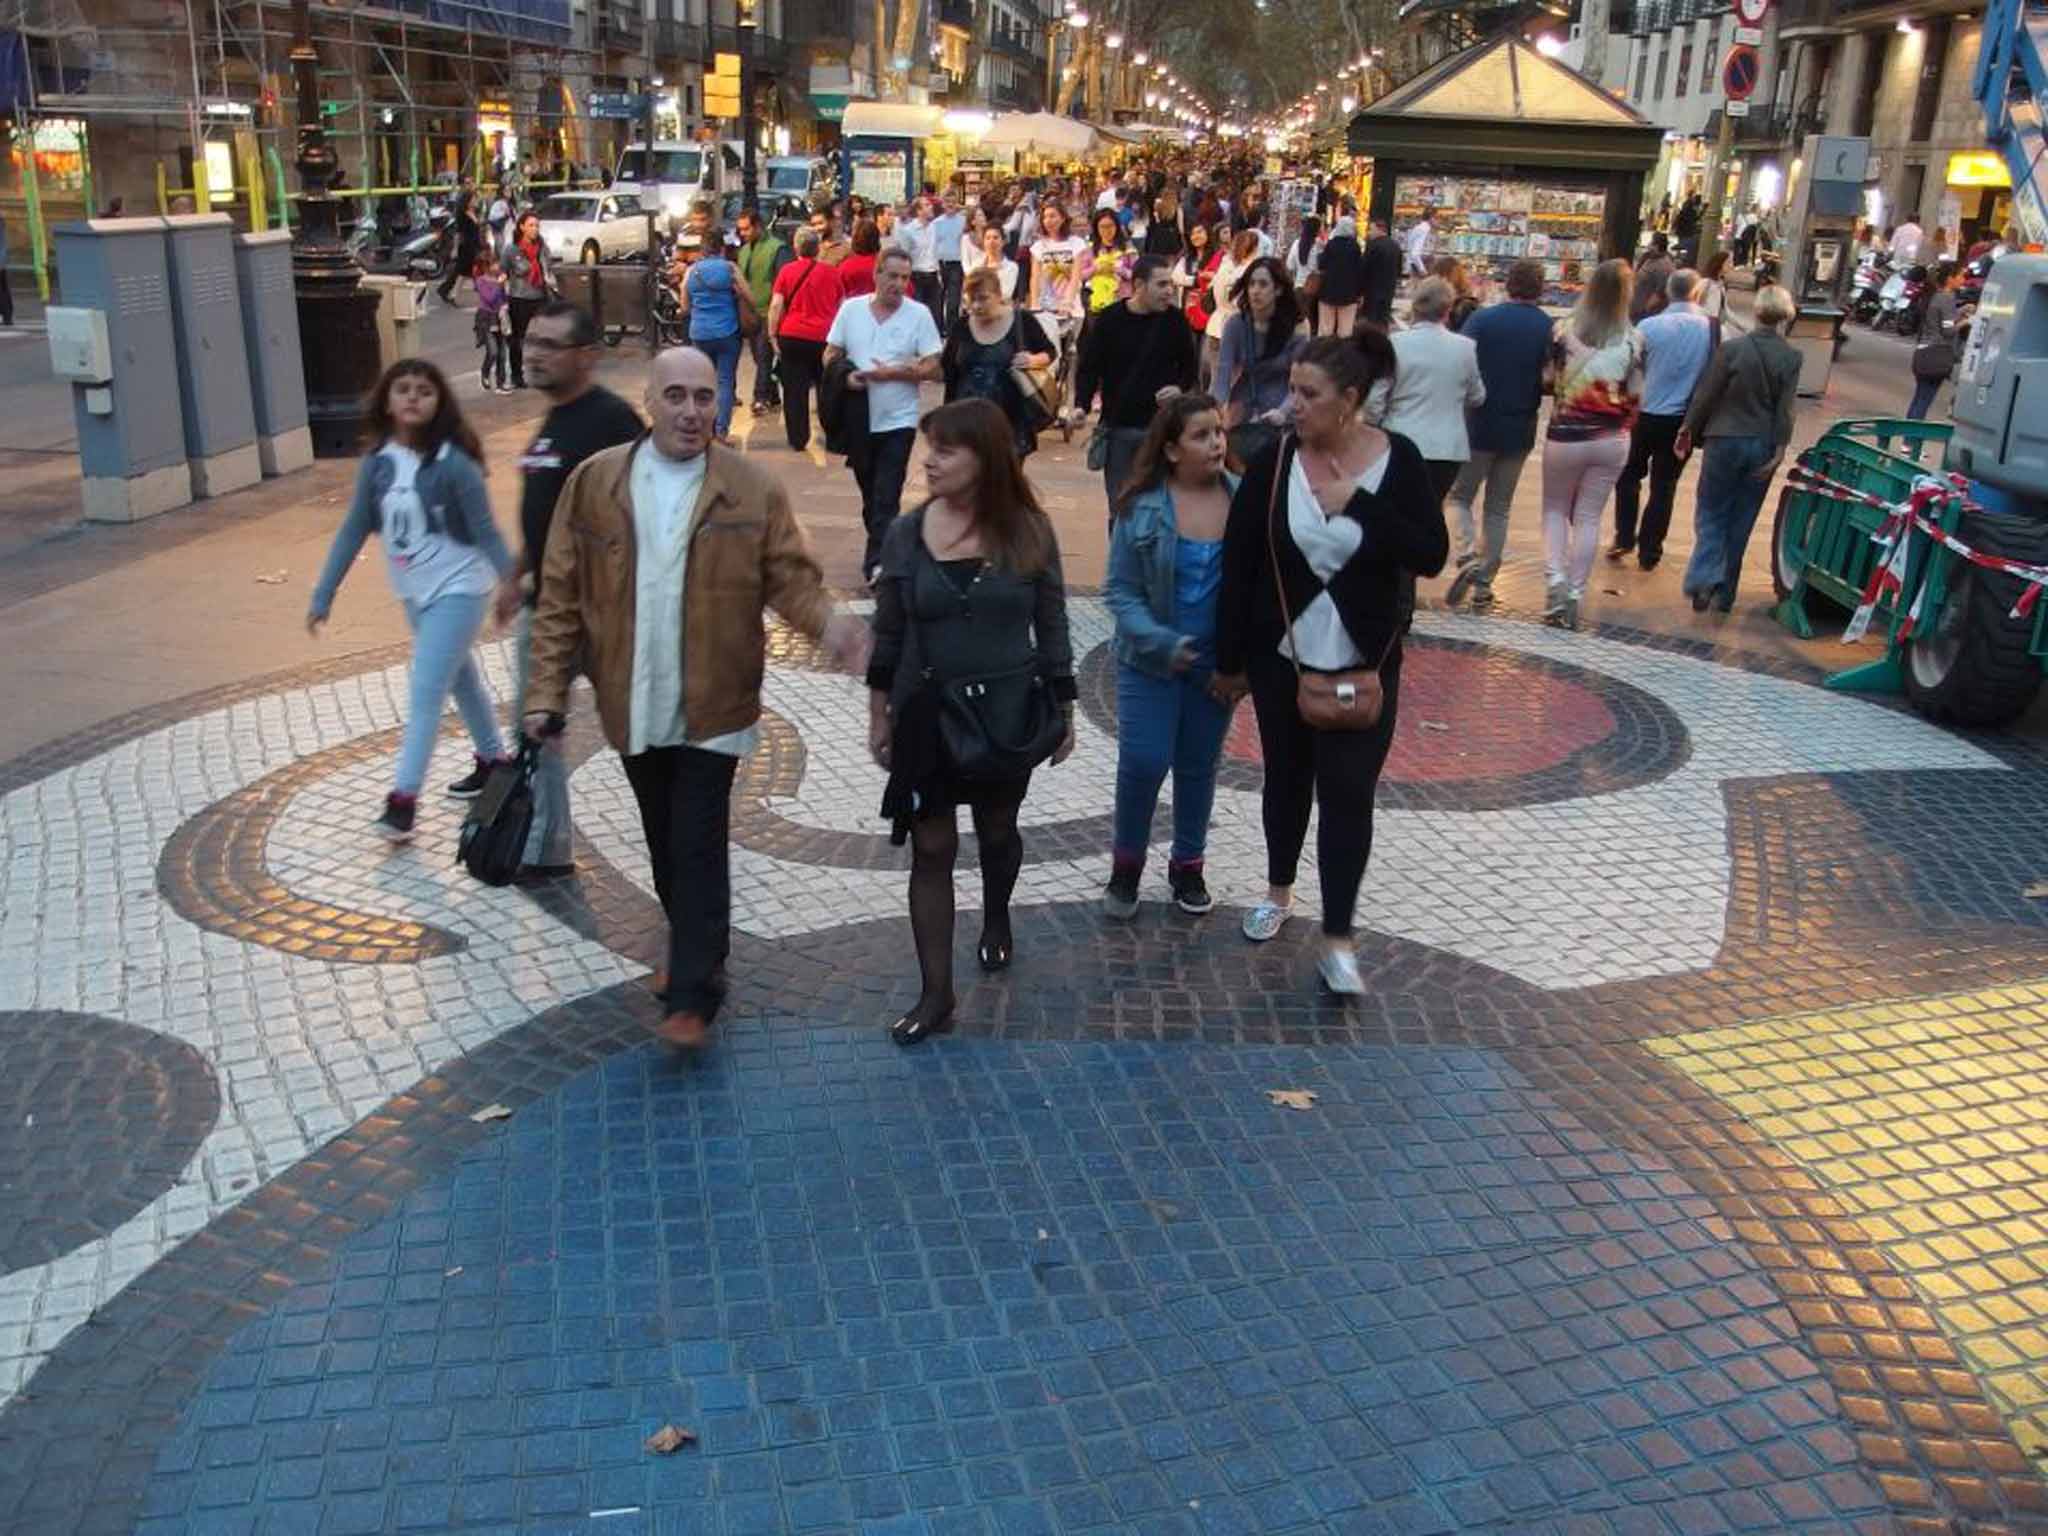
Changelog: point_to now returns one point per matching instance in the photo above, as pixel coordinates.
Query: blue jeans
(1165, 724)
(549, 841)
(724, 352)
(1724, 511)
(442, 633)
(1924, 391)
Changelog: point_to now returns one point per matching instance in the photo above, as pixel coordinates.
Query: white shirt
(923, 247)
(1221, 305)
(665, 495)
(907, 336)
(1326, 543)
(1906, 244)
(1005, 270)
(1106, 198)
(424, 562)
(1419, 242)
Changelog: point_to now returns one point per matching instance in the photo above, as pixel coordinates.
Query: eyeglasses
(549, 344)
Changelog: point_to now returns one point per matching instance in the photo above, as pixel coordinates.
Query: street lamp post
(750, 181)
(337, 318)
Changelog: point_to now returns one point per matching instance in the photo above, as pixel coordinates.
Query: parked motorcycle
(1903, 300)
(1871, 273)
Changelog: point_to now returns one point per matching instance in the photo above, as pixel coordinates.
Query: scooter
(1901, 300)
(1869, 281)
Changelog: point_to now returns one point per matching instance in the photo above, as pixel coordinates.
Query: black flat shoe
(1700, 601)
(995, 954)
(915, 1028)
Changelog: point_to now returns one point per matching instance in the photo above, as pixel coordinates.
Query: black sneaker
(471, 784)
(1120, 896)
(1190, 891)
(395, 825)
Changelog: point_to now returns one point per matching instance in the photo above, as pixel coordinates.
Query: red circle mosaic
(1469, 714)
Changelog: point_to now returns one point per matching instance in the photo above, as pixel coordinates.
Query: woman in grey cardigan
(1742, 410)
(421, 490)
(970, 590)
(529, 283)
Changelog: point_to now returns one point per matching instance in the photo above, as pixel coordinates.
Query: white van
(681, 173)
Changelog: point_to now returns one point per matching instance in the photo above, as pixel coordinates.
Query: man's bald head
(682, 401)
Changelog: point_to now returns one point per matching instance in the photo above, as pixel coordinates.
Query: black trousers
(926, 288)
(951, 276)
(6, 296)
(879, 469)
(1649, 451)
(802, 363)
(1443, 474)
(523, 311)
(685, 796)
(764, 368)
(1337, 772)
(462, 264)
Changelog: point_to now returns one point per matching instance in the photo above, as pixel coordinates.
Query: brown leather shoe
(657, 983)
(685, 1031)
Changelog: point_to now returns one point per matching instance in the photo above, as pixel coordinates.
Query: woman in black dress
(970, 588)
(1336, 516)
(980, 354)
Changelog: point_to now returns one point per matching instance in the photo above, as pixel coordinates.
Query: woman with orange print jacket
(1596, 373)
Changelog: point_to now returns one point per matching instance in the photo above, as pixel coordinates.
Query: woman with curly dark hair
(421, 490)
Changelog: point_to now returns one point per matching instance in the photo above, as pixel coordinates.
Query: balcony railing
(678, 40)
(956, 13)
(1781, 125)
(1017, 47)
(618, 26)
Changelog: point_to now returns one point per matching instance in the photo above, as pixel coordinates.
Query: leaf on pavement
(1291, 1098)
(1436, 725)
(271, 579)
(2038, 891)
(491, 1112)
(669, 1439)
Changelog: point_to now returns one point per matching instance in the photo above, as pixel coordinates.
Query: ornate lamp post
(337, 319)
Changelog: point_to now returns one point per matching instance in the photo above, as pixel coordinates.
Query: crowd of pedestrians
(1277, 456)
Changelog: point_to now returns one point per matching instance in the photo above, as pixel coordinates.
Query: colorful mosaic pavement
(1684, 1169)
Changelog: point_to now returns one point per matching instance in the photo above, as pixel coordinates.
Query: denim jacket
(450, 488)
(1142, 580)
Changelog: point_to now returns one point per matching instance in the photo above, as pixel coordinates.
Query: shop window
(1663, 64)
(1711, 56)
(1934, 36)
(1491, 222)
(59, 147)
(1684, 69)
(1642, 67)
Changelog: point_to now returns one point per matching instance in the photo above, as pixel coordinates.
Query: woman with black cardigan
(1344, 512)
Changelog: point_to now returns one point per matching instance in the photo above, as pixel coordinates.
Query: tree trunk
(1072, 77)
(979, 22)
(878, 65)
(908, 13)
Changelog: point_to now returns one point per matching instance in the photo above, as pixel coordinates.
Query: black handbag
(493, 839)
(1000, 726)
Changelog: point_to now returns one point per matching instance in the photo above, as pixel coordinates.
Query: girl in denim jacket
(421, 490)
(1165, 571)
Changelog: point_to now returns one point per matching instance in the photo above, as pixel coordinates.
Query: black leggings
(934, 848)
(1339, 770)
(523, 311)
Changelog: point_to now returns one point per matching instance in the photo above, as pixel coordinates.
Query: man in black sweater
(1139, 352)
(1383, 260)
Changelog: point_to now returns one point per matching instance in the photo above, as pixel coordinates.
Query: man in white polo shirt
(894, 347)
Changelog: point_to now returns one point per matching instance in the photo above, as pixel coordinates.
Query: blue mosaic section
(1023, 1289)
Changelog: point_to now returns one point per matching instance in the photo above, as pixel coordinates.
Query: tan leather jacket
(747, 552)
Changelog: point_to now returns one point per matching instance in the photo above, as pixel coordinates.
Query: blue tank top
(714, 307)
(1197, 585)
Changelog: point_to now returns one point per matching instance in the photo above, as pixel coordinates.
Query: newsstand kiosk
(1518, 155)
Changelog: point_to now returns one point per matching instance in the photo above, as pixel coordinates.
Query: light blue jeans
(550, 841)
(1731, 494)
(442, 633)
(1165, 724)
(724, 352)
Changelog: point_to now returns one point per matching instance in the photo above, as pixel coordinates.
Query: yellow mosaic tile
(1928, 1119)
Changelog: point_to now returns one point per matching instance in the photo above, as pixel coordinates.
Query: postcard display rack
(1490, 223)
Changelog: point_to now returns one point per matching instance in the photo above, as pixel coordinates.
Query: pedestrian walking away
(970, 596)
(583, 418)
(466, 234)
(1678, 342)
(1742, 412)
(800, 314)
(1436, 381)
(1324, 533)
(1596, 373)
(1138, 352)
(719, 308)
(664, 555)
(893, 344)
(1260, 343)
(529, 283)
(759, 257)
(493, 324)
(947, 232)
(1384, 258)
(1344, 274)
(421, 491)
(1512, 341)
(983, 355)
(1935, 349)
(1165, 581)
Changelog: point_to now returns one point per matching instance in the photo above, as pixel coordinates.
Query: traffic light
(722, 87)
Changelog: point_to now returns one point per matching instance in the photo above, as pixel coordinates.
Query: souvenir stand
(1518, 155)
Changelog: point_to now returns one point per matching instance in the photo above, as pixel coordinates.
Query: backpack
(493, 839)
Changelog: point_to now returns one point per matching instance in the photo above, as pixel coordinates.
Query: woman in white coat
(1436, 379)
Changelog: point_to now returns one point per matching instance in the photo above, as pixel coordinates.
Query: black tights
(934, 849)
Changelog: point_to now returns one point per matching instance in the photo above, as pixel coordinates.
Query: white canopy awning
(899, 119)
(1039, 133)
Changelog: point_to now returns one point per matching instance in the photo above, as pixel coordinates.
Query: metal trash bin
(577, 284)
(622, 299)
(1816, 333)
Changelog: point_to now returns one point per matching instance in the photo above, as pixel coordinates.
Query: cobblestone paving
(1582, 1231)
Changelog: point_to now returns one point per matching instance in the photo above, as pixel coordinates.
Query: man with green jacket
(759, 258)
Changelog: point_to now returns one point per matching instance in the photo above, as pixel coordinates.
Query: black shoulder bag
(494, 833)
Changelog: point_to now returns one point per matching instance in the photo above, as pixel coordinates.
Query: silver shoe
(1265, 921)
(1554, 601)
(1339, 971)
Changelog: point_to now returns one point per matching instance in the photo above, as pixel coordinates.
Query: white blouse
(1318, 638)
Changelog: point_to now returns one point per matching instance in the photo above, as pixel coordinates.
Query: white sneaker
(1339, 970)
(1265, 921)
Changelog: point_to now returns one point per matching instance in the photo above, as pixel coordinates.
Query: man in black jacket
(1139, 352)
(1383, 258)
